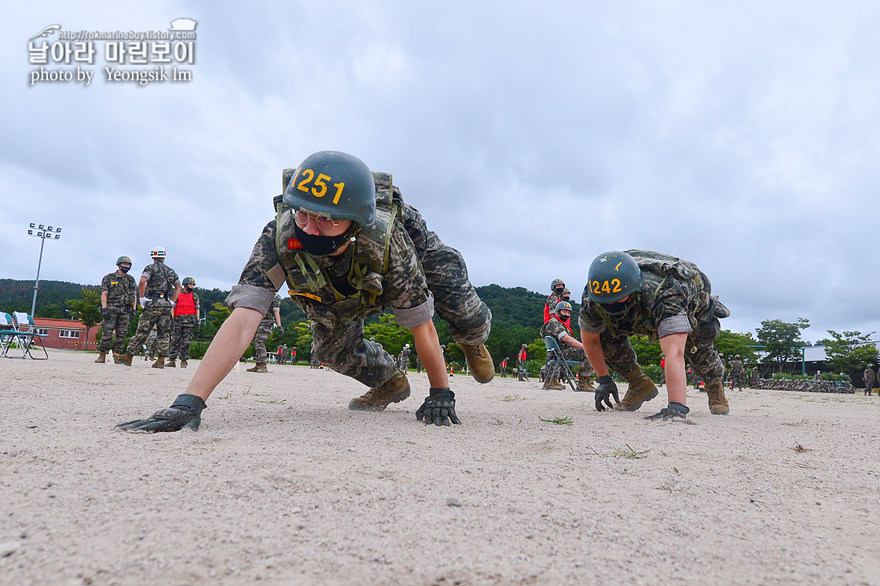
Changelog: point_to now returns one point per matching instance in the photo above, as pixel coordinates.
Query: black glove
(104, 312)
(280, 330)
(186, 411)
(438, 408)
(606, 389)
(673, 411)
(132, 310)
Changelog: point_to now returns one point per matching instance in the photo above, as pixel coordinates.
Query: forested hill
(510, 307)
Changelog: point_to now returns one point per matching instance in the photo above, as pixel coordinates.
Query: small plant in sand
(630, 453)
(558, 420)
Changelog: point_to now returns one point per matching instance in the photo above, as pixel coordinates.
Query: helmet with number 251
(336, 185)
(613, 276)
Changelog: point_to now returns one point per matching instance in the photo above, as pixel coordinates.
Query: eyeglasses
(322, 223)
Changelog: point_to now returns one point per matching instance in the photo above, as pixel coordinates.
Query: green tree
(782, 341)
(389, 333)
(218, 315)
(87, 309)
(730, 344)
(302, 339)
(849, 352)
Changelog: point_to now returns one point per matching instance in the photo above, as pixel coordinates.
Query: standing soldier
(522, 374)
(504, 367)
(186, 316)
(403, 359)
(869, 379)
(558, 327)
(644, 292)
(158, 288)
(118, 302)
(737, 373)
(349, 247)
(271, 319)
(557, 287)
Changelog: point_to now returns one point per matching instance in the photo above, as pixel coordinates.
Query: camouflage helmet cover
(613, 275)
(333, 184)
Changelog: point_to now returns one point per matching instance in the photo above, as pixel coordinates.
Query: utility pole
(43, 233)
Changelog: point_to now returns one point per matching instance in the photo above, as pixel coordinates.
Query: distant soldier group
(172, 309)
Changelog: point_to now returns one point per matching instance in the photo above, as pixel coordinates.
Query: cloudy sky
(743, 136)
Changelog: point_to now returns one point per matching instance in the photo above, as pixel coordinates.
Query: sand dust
(284, 485)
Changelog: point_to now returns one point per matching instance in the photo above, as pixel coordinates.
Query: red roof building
(66, 334)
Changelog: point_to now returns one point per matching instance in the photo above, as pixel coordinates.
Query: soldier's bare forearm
(227, 347)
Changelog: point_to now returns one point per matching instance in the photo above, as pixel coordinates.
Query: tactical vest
(186, 305)
(309, 283)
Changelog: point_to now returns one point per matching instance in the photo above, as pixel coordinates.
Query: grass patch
(630, 453)
(510, 398)
(558, 420)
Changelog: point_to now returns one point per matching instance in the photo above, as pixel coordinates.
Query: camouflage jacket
(121, 291)
(556, 328)
(380, 268)
(736, 367)
(161, 280)
(674, 297)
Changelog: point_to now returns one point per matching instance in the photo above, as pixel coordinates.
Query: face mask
(189, 288)
(616, 308)
(319, 245)
(124, 269)
(558, 291)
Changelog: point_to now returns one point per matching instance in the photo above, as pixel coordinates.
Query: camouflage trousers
(116, 319)
(182, 335)
(263, 331)
(586, 371)
(699, 350)
(455, 300)
(737, 379)
(153, 315)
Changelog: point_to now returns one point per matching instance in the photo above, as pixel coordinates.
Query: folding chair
(8, 335)
(28, 336)
(557, 365)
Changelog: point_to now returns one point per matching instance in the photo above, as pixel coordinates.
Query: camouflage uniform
(261, 356)
(161, 281)
(550, 305)
(422, 275)
(403, 359)
(737, 374)
(869, 380)
(557, 329)
(182, 330)
(121, 294)
(667, 304)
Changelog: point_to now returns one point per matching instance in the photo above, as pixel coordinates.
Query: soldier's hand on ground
(144, 301)
(438, 408)
(186, 411)
(606, 389)
(673, 411)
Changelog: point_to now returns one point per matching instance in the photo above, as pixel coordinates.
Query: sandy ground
(284, 485)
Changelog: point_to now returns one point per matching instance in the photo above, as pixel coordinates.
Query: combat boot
(172, 363)
(480, 362)
(717, 401)
(102, 358)
(182, 363)
(555, 385)
(393, 390)
(584, 384)
(123, 358)
(641, 389)
(258, 367)
(160, 362)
